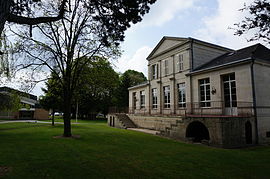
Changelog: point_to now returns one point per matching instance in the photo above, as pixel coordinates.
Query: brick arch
(197, 131)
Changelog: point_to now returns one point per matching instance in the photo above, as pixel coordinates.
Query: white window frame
(154, 69)
(154, 98)
(181, 95)
(142, 99)
(181, 62)
(166, 67)
(134, 100)
(205, 86)
(230, 82)
(167, 97)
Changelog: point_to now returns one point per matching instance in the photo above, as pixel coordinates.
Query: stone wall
(225, 132)
(41, 114)
(113, 121)
(154, 122)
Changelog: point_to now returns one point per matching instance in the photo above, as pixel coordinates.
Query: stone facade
(198, 86)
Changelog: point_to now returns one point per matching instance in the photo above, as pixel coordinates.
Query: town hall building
(202, 92)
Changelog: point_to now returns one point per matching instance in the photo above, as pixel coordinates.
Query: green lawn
(103, 152)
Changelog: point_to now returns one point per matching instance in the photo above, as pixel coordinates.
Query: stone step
(148, 131)
(126, 121)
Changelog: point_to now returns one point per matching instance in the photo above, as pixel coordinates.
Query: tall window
(166, 67)
(167, 96)
(229, 86)
(205, 92)
(181, 95)
(155, 71)
(179, 63)
(142, 99)
(154, 98)
(134, 100)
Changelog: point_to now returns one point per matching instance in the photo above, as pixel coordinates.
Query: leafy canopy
(259, 21)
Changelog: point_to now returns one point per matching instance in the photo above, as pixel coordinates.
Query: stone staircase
(125, 120)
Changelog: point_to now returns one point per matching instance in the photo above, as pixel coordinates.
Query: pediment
(166, 43)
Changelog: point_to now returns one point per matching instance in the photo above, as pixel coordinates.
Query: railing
(216, 108)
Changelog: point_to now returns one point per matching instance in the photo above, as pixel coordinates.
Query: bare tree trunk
(67, 102)
(4, 11)
(53, 111)
(67, 111)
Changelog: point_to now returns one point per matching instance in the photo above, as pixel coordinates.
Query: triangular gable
(165, 43)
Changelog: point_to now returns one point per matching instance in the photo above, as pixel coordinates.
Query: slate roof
(256, 52)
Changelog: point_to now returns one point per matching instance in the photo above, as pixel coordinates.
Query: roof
(145, 83)
(20, 93)
(162, 40)
(181, 41)
(256, 52)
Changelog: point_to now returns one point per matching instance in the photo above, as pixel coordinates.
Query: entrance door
(229, 90)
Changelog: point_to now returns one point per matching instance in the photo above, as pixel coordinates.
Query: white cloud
(137, 62)
(216, 27)
(162, 12)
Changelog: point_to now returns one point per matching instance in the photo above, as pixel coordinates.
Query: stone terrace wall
(154, 122)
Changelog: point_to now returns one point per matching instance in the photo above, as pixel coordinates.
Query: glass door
(229, 92)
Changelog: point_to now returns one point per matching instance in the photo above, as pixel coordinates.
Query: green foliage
(258, 20)
(104, 152)
(95, 90)
(53, 94)
(89, 29)
(97, 86)
(9, 102)
(128, 79)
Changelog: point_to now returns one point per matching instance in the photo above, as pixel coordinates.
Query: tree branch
(34, 21)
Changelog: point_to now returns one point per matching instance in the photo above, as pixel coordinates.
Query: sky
(207, 20)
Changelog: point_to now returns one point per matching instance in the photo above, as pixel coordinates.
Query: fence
(213, 108)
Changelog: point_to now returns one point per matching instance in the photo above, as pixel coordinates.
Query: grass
(102, 152)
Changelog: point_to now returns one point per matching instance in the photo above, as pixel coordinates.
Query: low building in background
(202, 92)
(30, 108)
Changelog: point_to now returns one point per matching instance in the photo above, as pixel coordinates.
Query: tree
(128, 79)
(9, 102)
(16, 11)
(94, 92)
(53, 95)
(89, 28)
(258, 21)
(97, 86)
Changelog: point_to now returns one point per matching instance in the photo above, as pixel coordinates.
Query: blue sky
(207, 20)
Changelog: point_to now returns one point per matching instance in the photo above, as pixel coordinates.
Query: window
(166, 67)
(155, 71)
(167, 96)
(154, 98)
(205, 92)
(179, 63)
(229, 87)
(181, 95)
(134, 99)
(142, 99)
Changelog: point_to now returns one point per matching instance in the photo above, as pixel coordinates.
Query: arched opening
(197, 132)
(248, 132)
